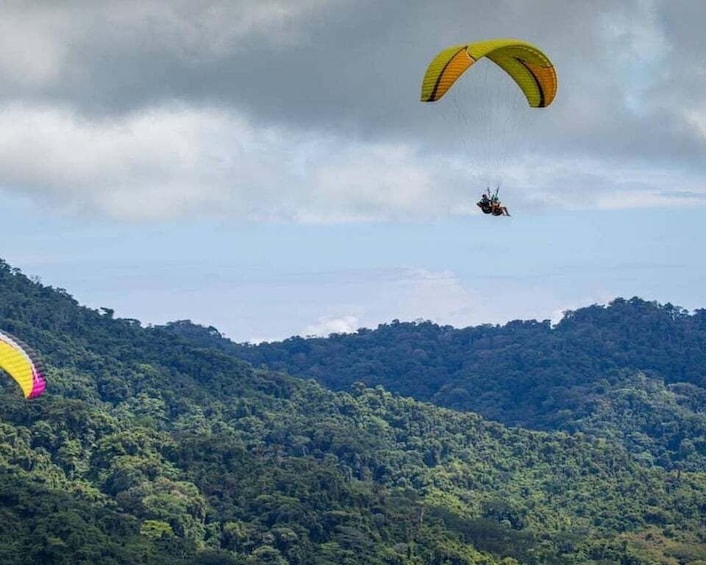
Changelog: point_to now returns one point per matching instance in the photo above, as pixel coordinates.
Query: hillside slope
(149, 448)
(633, 371)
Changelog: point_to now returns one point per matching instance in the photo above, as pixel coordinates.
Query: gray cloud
(631, 77)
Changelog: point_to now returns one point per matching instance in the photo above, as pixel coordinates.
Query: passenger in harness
(490, 204)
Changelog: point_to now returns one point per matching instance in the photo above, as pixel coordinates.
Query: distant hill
(634, 371)
(153, 447)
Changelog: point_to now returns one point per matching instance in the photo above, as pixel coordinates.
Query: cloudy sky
(266, 167)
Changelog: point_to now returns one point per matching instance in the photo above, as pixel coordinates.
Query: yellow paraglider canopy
(529, 67)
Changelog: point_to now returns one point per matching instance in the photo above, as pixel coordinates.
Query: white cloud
(155, 164)
(276, 110)
(176, 162)
(326, 326)
(433, 295)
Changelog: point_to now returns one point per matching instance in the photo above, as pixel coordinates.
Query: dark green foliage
(153, 447)
(633, 371)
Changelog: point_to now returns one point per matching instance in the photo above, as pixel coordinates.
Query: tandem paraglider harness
(490, 204)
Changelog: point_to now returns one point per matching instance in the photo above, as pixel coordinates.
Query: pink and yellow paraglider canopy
(22, 364)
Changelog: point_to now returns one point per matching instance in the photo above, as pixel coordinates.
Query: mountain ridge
(587, 372)
(150, 448)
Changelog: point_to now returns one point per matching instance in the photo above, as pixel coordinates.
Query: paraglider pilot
(490, 204)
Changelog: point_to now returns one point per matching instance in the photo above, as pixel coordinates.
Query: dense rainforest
(633, 371)
(172, 445)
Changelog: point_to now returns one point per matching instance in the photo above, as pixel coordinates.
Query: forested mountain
(153, 447)
(632, 371)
